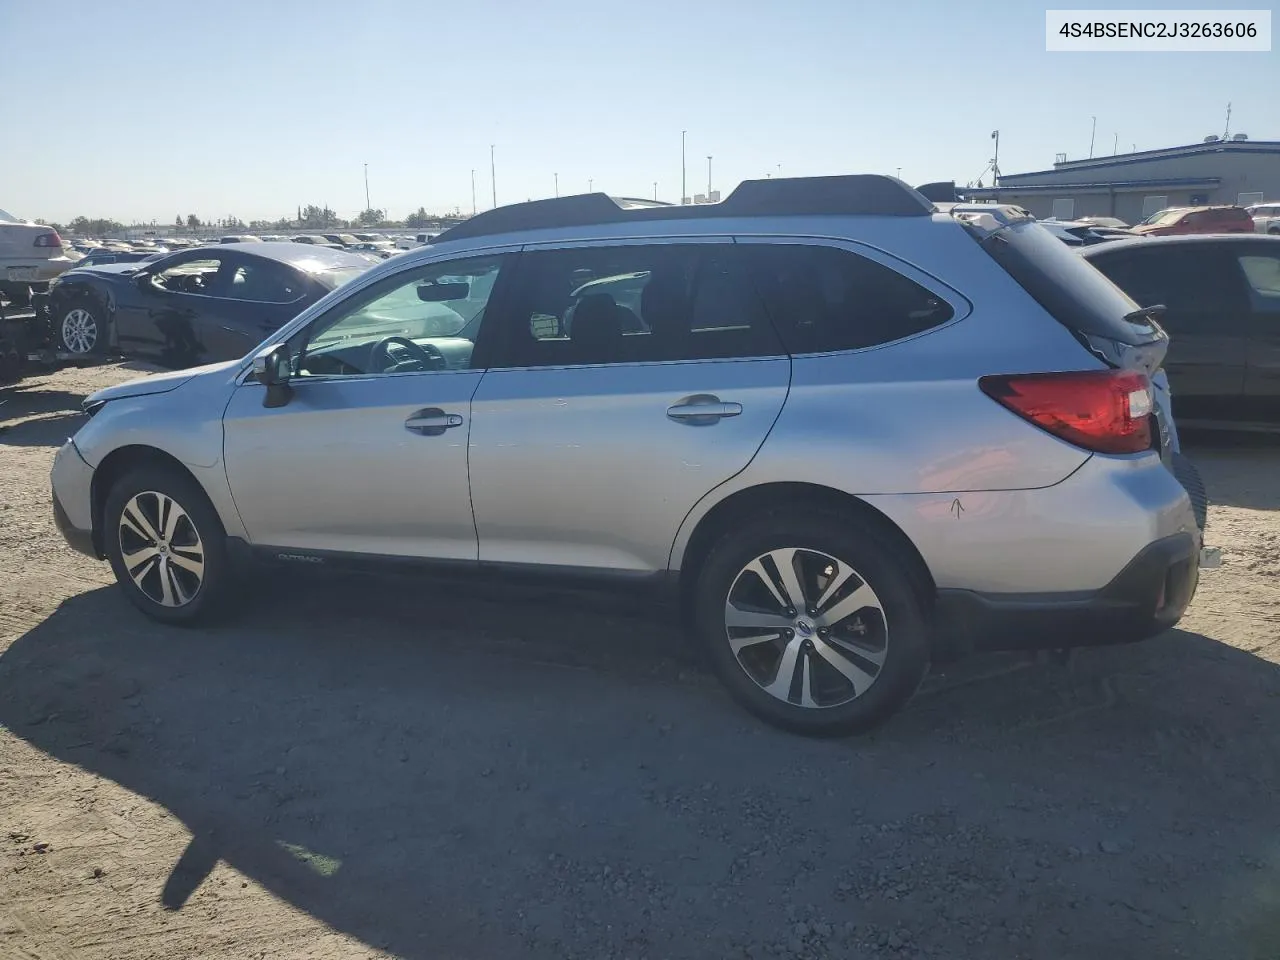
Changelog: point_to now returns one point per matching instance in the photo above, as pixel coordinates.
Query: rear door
(630, 379)
(1206, 318)
(160, 320)
(1260, 265)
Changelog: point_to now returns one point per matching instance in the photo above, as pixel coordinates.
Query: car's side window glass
(640, 303)
(424, 319)
(190, 276)
(1193, 283)
(263, 282)
(1262, 271)
(824, 298)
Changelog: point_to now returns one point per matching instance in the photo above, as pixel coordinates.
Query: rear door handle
(432, 422)
(702, 410)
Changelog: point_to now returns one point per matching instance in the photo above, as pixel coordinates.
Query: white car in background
(30, 256)
(1266, 217)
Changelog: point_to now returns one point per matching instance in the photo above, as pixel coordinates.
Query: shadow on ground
(1240, 469)
(447, 772)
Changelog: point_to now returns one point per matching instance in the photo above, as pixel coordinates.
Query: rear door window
(824, 299)
(634, 303)
(1195, 283)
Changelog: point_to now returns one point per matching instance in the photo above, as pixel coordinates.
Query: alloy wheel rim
(79, 330)
(806, 628)
(161, 549)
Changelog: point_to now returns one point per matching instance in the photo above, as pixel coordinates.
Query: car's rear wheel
(166, 545)
(82, 329)
(814, 621)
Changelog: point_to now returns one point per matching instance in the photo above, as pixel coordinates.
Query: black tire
(1274, 231)
(876, 561)
(80, 328)
(209, 598)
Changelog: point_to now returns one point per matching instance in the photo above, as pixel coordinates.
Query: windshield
(1173, 216)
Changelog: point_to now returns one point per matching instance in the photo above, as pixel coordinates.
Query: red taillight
(1108, 411)
(50, 239)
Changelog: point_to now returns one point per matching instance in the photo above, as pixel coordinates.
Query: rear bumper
(1148, 596)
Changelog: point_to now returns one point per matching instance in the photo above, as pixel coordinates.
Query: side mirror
(271, 369)
(142, 280)
(443, 292)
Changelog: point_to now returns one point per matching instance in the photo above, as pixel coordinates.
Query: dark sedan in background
(196, 306)
(1221, 296)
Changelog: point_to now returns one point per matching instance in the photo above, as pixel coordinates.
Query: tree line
(309, 217)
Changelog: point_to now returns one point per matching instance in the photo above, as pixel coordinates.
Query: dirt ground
(358, 768)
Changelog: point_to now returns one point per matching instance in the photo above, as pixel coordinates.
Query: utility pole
(367, 204)
(493, 176)
(1115, 146)
(591, 186)
(557, 176)
(995, 161)
(708, 177)
(684, 188)
(655, 190)
(1226, 131)
(473, 191)
(1092, 132)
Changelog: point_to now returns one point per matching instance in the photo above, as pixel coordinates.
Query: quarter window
(823, 298)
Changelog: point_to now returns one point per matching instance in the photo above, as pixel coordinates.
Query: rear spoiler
(986, 217)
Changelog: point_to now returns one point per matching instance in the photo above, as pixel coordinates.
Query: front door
(1206, 317)
(369, 456)
(158, 314)
(629, 380)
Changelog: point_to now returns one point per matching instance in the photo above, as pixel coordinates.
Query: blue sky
(134, 109)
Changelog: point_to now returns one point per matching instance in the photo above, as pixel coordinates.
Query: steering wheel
(420, 357)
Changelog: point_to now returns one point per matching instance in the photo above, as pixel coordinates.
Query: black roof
(1181, 239)
(856, 194)
(306, 256)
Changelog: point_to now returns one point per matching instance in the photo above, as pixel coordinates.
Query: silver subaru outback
(853, 432)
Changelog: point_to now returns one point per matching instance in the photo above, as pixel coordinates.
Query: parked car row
(846, 445)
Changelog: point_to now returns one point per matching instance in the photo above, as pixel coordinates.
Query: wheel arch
(118, 463)
(743, 504)
(65, 296)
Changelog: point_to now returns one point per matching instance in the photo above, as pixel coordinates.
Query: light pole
(684, 188)
(655, 190)
(493, 176)
(1115, 146)
(1092, 132)
(899, 173)
(591, 186)
(557, 176)
(708, 177)
(473, 191)
(367, 204)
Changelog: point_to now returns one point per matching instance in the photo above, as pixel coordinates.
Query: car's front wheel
(814, 621)
(81, 329)
(166, 545)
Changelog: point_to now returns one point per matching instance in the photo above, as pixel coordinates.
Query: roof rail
(850, 195)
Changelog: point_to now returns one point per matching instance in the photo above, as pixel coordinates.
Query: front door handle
(702, 410)
(432, 422)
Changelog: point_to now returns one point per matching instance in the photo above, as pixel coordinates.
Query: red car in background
(1222, 219)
